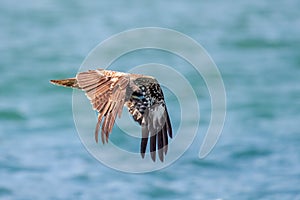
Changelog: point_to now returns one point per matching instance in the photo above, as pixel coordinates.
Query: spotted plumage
(109, 91)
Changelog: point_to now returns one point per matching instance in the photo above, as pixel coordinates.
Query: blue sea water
(255, 45)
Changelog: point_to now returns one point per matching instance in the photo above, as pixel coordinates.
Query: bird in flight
(108, 91)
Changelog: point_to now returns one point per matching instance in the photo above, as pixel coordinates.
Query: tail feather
(70, 82)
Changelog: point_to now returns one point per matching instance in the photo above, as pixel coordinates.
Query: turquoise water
(256, 47)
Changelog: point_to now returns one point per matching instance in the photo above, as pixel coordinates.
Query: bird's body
(109, 91)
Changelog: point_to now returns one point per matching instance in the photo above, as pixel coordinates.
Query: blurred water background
(255, 44)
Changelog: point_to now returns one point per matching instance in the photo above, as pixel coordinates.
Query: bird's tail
(70, 82)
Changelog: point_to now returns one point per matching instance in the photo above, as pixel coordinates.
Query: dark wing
(147, 106)
(156, 122)
(107, 96)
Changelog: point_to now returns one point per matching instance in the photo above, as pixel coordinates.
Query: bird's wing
(149, 109)
(106, 90)
(156, 122)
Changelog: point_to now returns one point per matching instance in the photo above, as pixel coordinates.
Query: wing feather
(106, 91)
(165, 139)
(160, 145)
(168, 124)
(153, 146)
(159, 128)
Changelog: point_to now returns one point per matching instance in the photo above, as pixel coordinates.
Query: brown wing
(106, 90)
